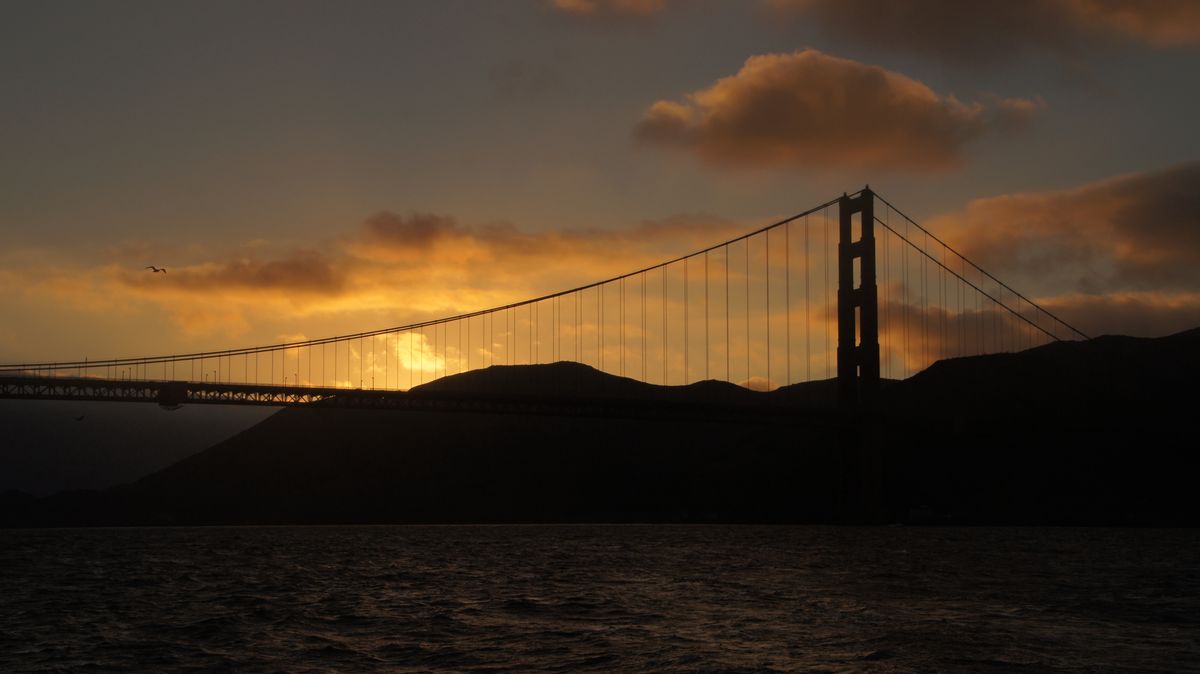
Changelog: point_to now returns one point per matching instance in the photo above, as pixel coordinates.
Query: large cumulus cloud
(811, 109)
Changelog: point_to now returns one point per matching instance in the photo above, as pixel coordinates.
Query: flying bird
(157, 269)
(80, 417)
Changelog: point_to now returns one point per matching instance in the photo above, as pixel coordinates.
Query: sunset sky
(305, 169)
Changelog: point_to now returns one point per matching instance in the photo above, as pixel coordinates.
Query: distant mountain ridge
(575, 379)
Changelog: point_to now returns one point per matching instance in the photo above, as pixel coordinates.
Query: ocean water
(599, 598)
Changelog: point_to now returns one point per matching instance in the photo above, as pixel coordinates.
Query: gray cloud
(958, 32)
(305, 272)
(1134, 232)
(610, 7)
(1138, 314)
(418, 231)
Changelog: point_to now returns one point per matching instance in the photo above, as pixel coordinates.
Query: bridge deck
(175, 393)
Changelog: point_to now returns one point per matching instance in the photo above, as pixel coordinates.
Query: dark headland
(1098, 432)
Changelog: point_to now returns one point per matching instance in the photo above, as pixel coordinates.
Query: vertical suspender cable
(962, 319)
(925, 305)
(807, 304)
(727, 350)
(687, 373)
(980, 337)
(942, 352)
(828, 309)
(747, 312)
(886, 304)
(904, 301)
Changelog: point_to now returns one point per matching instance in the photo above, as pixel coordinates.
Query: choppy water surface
(584, 598)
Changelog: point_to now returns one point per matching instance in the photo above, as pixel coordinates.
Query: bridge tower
(858, 306)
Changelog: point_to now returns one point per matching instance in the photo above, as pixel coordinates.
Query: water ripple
(599, 599)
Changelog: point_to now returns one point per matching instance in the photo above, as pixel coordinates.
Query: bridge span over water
(852, 288)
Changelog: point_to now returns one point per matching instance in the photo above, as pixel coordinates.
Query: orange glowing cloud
(399, 267)
(808, 109)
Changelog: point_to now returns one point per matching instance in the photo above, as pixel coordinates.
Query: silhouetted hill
(575, 379)
(16, 507)
(1062, 377)
(331, 464)
(1088, 432)
(1100, 431)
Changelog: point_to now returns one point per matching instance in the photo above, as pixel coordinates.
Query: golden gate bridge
(851, 289)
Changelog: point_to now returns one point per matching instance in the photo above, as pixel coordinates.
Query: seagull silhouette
(157, 269)
(80, 417)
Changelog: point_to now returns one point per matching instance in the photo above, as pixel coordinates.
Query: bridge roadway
(172, 394)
